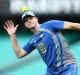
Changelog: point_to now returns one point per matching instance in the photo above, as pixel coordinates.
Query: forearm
(11, 29)
(15, 45)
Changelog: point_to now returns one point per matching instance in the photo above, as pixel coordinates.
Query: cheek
(34, 22)
(26, 24)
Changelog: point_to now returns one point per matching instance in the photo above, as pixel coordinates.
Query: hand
(10, 28)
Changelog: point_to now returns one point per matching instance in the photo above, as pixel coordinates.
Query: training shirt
(51, 45)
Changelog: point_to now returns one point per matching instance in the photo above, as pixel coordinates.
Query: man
(49, 41)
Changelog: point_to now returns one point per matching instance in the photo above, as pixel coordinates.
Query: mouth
(29, 26)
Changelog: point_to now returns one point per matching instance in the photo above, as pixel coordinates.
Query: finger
(11, 22)
(6, 24)
(17, 25)
(5, 27)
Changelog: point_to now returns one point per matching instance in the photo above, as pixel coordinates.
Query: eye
(29, 18)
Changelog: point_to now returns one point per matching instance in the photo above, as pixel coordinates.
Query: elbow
(18, 56)
(21, 53)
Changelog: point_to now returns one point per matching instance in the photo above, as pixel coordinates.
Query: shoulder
(53, 25)
(50, 22)
(47, 23)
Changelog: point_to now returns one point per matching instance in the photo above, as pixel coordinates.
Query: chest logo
(42, 47)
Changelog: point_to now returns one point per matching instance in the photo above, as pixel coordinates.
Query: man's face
(31, 22)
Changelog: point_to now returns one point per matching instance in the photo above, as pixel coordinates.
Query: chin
(31, 27)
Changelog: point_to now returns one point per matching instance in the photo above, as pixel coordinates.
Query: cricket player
(48, 40)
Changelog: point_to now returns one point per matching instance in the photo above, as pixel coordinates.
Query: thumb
(17, 26)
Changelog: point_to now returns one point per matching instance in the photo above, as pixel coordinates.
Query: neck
(36, 29)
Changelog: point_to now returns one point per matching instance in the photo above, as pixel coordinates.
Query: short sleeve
(57, 24)
(28, 47)
(53, 25)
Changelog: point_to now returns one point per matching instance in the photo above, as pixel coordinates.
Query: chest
(42, 42)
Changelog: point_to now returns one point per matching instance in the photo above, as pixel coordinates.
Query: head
(29, 19)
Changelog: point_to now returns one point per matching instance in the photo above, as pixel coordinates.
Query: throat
(36, 30)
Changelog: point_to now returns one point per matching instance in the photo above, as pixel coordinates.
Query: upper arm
(58, 24)
(71, 25)
(25, 50)
(68, 25)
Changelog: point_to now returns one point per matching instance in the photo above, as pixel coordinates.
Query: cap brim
(26, 17)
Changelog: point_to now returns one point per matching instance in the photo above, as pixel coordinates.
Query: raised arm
(71, 25)
(11, 29)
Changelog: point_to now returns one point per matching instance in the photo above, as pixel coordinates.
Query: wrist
(12, 35)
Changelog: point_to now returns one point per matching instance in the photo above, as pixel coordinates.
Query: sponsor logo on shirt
(42, 47)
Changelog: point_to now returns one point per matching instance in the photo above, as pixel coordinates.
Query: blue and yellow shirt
(51, 45)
